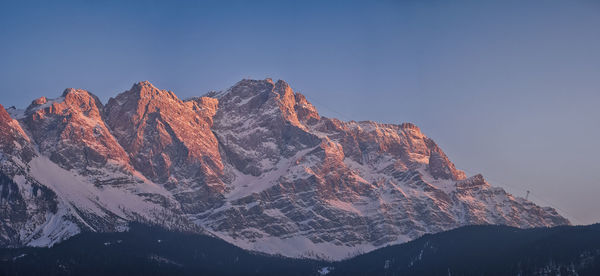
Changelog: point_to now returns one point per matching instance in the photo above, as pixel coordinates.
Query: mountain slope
(255, 165)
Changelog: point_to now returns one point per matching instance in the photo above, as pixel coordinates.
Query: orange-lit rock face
(168, 140)
(12, 137)
(4, 116)
(6, 129)
(71, 130)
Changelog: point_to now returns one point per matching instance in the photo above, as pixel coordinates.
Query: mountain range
(254, 165)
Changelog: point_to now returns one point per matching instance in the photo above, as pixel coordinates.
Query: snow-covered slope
(255, 165)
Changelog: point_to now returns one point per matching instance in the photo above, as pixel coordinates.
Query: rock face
(24, 203)
(255, 165)
(170, 142)
(71, 132)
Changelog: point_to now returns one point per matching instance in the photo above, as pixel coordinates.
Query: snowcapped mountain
(255, 165)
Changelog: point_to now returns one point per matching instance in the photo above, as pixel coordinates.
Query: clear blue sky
(508, 88)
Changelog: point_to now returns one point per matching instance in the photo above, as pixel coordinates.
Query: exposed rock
(255, 165)
(71, 131)
(13, 140)
(170, 141)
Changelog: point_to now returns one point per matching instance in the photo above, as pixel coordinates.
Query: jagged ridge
(255, 165)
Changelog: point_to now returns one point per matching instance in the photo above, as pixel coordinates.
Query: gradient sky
(509, 89)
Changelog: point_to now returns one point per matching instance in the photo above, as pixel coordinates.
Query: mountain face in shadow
(470, 250)
(145, 250)
(487, 250)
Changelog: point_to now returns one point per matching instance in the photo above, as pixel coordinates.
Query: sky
(509, 89)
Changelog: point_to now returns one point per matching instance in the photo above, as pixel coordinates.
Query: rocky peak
(167, 139)
(410, 126)
(260, 117)
(4, 116)
(71, 131)
(72, 101)
(294, 105)
(75, 91)
(265, 96)
(128, 113)
(287, 102)
(439, 164)
(39, 101)
(145, 83)
(145, 89)
(83, 101)
(306, 112)
(13, 139)
(250, 93)
(283, 89)
(249, 88)
(143, 93)
(7, 130)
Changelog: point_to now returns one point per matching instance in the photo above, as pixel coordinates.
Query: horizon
(508, 90)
